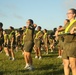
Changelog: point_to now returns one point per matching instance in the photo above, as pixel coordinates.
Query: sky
(45, 13)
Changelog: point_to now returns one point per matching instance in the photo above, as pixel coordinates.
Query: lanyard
(26, 31)
(66, 30)
(38, 34)
(44, 35)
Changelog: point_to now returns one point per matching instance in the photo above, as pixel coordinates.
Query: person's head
(71, 14)
(45, 31)
(16, 31)
(29, 21)
(4, 32)
(60, 27)
(55, 29)
(11, 28)
(24, 27)
(38, 28)
(66, 21)
(1, 25)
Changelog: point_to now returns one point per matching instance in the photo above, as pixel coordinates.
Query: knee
(11, 50)
(66, 65)
(73, 66)
(25, 53)
(38, 49)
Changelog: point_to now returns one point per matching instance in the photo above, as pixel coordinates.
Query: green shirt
(12, 35)
(5, 36)
(38, 35)
(30, 33)
(70, 38)
(45, 37)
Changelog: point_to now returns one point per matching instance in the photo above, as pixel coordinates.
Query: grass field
(49, 65)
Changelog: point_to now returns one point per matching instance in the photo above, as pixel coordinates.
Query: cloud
(17, 16)
(11, 6)
(14, 10)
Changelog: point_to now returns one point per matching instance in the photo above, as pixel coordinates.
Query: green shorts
(28, 46)
(38, 43)
(69, 50)
(60, 45)
(11, 47)
(1, 42)
(45, 44)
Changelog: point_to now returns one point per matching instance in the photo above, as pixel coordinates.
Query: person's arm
(35, 25)
(41, 34)
(73, 30)
(61, 29)
(32, 26)
(56, 33)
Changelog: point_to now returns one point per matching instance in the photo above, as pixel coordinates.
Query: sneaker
(22, 53)
(7, 54)
(47, 53)
(13, 59)
(27, 66)
(40, 57)
(51, 51)
(36, 57)
(42, 49)
(59, 57)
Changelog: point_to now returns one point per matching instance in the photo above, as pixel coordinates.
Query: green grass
(49, 65)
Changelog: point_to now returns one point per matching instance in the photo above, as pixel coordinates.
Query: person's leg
(51, 47)
(26, 60)
(25, 57)
(22, 50)
(36, 52)
(12, 54)
(66, 66)
(29, 58)
(6, 51)
(0, 48)
(59, 52)
(16, 48)
(73, 65)
(39, 51)
(34, 49)
(31, 62)
(30, 67)
(46, 47)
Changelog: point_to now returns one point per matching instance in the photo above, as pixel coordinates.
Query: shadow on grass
(1, 73)
(23, 71)
(46, 70)
(52, 56)
(50, 70)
